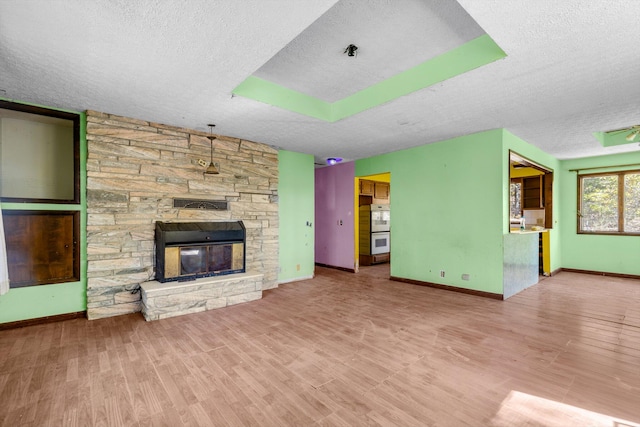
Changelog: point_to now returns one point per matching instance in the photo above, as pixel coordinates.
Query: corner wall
(447, 207)
(335, 226)
(512, 142)
(135, 169)
(295, 190)
(607, 254)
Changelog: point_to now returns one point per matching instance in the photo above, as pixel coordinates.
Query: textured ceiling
(571, 67)
(392, 36)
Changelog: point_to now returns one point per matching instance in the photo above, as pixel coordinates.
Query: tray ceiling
(569, 71)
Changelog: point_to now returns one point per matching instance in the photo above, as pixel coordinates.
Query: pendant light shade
(212, 169)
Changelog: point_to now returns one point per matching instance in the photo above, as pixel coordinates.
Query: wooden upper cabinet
(547, 197)
(381, 190)
(532, 193)
(374, 192)
(366, 187)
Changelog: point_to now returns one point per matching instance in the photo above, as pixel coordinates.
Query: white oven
(380, 218)
(380, 243)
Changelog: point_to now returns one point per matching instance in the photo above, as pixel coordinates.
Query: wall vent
(207, 205)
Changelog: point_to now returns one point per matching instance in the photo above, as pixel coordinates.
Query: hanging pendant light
(212, 169)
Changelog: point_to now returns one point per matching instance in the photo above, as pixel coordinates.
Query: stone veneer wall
(135, 169)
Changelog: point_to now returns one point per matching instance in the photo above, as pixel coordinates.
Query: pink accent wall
(334, 243)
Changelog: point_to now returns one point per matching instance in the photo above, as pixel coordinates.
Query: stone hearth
(170, 299)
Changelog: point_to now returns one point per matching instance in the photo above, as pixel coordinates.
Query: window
(609, 203)
(39, 155)
(40, 193)
(515, 196)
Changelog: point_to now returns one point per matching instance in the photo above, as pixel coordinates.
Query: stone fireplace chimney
(136, 170)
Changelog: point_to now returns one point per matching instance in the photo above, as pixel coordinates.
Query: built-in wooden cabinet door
(366, 187)
(42, 247)
(532, 193)
(547, 196)
(381, 190)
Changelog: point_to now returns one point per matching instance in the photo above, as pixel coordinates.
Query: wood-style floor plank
(342, 349)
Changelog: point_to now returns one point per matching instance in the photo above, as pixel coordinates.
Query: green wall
(450, 204)
(609, 254)
(296, 209)
(448, 208)
(49, 300)
(41, 301)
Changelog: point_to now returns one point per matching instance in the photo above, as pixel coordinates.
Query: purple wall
(334, 203)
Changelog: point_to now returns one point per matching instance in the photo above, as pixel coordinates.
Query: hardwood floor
(342, 349)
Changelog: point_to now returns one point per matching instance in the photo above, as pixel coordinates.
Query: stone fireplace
(199, 266)
(136, 170)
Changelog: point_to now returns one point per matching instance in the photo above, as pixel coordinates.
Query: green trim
(471, 55)
(474, 54)
(613, 138)
(41, 207)
(83, 207)
(64, 110)
(270, 93)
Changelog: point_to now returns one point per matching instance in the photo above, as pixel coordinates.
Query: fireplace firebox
(189, 250)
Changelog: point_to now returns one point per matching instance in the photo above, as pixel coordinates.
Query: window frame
(75, 207)
(515, 181)
(75, 119)
(620, 176)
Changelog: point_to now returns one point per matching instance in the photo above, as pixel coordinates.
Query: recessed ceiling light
(333, 160)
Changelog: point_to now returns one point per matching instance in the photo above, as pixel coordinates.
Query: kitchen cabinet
(381, 191)
(532, 194)
(367, 188)
(374, 192)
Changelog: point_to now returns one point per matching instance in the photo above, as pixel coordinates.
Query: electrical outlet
(203, 163)
(297, 267)
(441, 273)
(465, 277)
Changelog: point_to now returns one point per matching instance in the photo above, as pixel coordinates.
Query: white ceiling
(392, 36)
(572, 67)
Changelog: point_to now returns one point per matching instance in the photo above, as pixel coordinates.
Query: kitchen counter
(520, 261)
(527, 231)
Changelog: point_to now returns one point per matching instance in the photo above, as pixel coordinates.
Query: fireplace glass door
(194, 261)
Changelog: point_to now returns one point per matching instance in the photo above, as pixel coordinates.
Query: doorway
(531, 203)
(372, 207)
